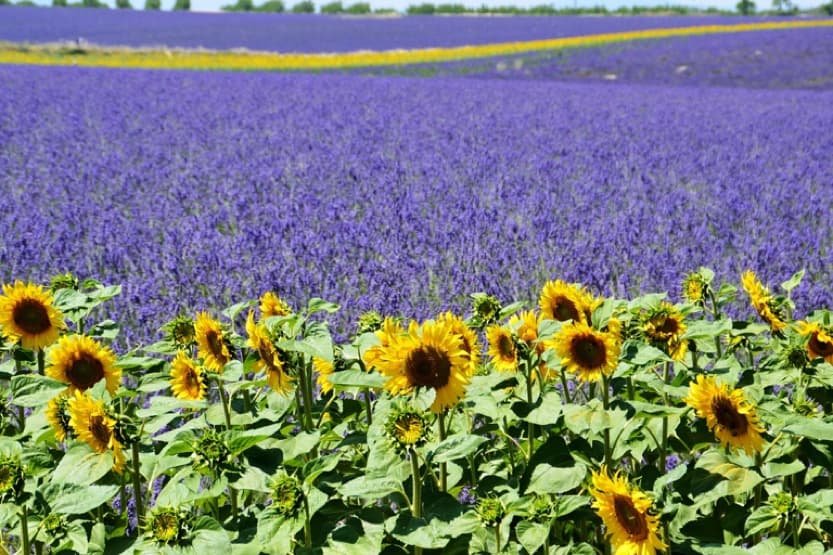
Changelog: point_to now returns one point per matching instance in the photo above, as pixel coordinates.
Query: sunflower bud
(63, 281)
(542, 508)
(407, 428)
(212, 453)
(168, 525)
(695, 288)
(12, 479)
(369, 322)
(489, 510)
(55, 525)
(287, 496)
(486, 310)
(180, 331)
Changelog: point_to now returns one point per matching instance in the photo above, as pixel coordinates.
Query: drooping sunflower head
(81, 362)
(187, 381)
(486, 310)
(429, 356)
(727, 412)
(526, 325)
(272, 305)
(270, 359)
(57, 413)
(180, 331)
(325, 369)
(64, 281)
(93, 424)
(769, 311)
(287, 496)
(502, 348)
(211, 344)
(407, 428)
(627, 513)
(468, 339)
(819, 340)
(28, 316)
(167, 525)
(563, 301)
(587, 352)
(695, 288)
(12, 479)
(664, 327)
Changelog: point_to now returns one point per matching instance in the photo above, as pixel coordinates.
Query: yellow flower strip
(248, 60)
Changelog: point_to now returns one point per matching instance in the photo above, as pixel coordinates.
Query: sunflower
(391, 330)
(82, 362)
(562, 301)
(187, 382)
(732, 418)
(586, 352)
(57, 413)
(467, 337)
(91, 423)
(270, 358)
(502, 348)
(431, 356)
(762, 301)
(627, 513)
(695, 288)
(211, 346)
(526, 323)
(408, 428)
(273, 305)
(324, 368)
(663, 327)
(820, 342)
(27, 315)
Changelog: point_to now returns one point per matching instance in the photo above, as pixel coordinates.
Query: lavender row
(791, 58)
(309, 33)
(402, 195)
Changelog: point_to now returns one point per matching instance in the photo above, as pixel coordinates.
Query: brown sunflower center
(588, 351)
(31, 316)
(506, 346)
(85, 371)
(727, 415)
(821, 348)
(214, 343)
(100, 430)
(667, 326)
(630, 518)
(192, 379)
(428, 366)
(564, 309)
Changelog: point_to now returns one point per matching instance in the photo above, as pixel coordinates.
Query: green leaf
(811, 428)
(301, 444)
(316, 304)
(531, 535)
(778, 470)
(432, 534)
(357, 378)
(706, 329)
(82, 466)
(647, 355)
(555, 479)
(33, 390)
(239, 441)
(548, 411)
(318, 466)
(793, 282)
(70, 499)
(456, 447)
(368, 488)
(736, 479)
(762, 519)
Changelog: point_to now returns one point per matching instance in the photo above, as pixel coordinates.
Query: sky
(401, 5)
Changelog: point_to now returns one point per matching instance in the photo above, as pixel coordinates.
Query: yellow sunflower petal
(92, 425)
(187, 381)
(27, 315)
(563, 301)
(82, 362)
(586, 352)
(211, 346)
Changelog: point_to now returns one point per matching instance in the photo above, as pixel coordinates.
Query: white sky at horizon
(401, 5)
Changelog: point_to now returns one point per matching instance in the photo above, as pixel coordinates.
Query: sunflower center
(506, 346)
(100, 430)
(85, 371)
(408, 429)
(214, 342)
(667, 326)
(630, 519)
(427, 366)
(565, 309)
(31, 316)
(822, 348)
(729, 417)
(165, 527)
(192, 379)
(588, 351)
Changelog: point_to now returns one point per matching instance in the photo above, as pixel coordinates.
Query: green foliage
(450, 8)
(305, 6)
(359, 8)
(746, 7)
(153, 4)
(182, 5)
(59, 3)
(240, 6)
(123, 5)
(333, 7)
(421, 9)
(271, 6)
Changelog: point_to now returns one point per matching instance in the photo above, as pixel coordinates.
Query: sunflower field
(584, 424)
(569, 319)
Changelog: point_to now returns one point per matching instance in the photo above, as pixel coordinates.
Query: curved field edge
(12, 53)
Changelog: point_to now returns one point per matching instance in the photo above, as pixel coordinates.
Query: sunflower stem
(137, 485)
(666, 376)
(530, 427)
(122, 497)
(24, 530)
(41, 362)
(367, 406)
(224, 400)
(443, 466)
(307, 525)
(497, 537)
(232, 495)
(564, 389)
(631, 392)
(606, 405)
(416, 483)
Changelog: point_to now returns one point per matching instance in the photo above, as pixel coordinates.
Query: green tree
(124, 5)
(240, 6)
(421, 9)
(332, 7)
(153, 5)
(358, 8)
(182, 5)
(746, 7)
(271, 6)
(305, 6)
(57, 3)
(828, 8)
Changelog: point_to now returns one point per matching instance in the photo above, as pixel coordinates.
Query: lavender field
(310, 33)
(403, 195)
